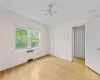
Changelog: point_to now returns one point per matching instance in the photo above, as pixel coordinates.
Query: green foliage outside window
(21, 38)
(35, 39)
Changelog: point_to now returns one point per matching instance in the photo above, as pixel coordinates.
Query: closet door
(79, 41)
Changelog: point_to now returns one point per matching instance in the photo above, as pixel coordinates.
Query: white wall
(63, 41)
(51, 40)
(62, 36)
(62, 47)
(8, 57)
(92, 43)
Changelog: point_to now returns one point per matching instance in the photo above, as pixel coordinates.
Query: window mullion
(29, 39)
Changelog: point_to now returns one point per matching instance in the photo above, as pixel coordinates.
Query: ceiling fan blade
(54, 12)
(46, 14)
(44, 10)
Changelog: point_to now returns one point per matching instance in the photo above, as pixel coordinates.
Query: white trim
(26, 49)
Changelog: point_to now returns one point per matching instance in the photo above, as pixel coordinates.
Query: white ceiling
(68, 10)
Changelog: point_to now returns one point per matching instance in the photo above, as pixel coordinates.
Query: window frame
(29, 39)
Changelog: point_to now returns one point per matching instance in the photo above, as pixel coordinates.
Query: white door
(79, 42)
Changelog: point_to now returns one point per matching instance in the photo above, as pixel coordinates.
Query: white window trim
(28, 39)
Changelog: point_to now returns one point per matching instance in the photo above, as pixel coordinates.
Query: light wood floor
(49, 68)
(79, 60)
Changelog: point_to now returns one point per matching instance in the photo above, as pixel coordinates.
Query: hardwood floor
(49, 68)
(79, 60)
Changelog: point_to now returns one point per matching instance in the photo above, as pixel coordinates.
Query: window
(35, 38)
(21, 38)
(26, 38)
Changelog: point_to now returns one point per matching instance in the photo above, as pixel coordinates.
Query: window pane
(21, 43)
(35, 39)
(21, 38)
(35, 35)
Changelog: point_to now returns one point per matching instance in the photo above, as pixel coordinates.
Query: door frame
(73, 39)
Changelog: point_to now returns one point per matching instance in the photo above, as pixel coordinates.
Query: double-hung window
(26, 38)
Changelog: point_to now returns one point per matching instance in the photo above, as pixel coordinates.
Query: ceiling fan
(49, 10)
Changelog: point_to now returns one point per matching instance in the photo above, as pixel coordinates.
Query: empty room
(49, 40)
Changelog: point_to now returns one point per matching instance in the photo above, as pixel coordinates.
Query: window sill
(26, 49)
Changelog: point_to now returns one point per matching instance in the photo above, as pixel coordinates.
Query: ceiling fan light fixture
(49, 10)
